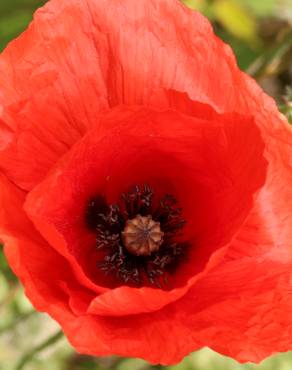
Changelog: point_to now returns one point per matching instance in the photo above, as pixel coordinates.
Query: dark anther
(139, 238)
(96, 206)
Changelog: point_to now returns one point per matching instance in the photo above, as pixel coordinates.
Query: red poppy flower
(146, 184)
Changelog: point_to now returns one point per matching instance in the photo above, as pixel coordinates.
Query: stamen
(138, 239)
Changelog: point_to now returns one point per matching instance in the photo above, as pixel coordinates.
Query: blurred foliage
(260, 33)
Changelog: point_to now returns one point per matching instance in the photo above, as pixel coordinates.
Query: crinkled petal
(76, 60)
(207, 164)
(242, 308)
(42, 271)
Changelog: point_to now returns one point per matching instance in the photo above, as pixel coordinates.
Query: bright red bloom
(99, 96)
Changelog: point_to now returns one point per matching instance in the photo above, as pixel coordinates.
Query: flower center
(138, 237)
(142, 236)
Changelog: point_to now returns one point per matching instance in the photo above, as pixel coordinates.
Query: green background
(260, 32)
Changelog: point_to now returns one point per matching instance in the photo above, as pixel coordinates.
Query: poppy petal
(54, 85)
(214, 157)
(40, 268)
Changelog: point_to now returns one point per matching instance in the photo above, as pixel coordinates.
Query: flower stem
(29, 355)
